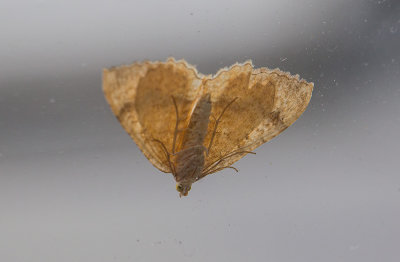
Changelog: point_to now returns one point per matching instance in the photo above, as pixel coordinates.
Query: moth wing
(140, 96)
(267, 102)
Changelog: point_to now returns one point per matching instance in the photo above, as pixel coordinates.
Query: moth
(193, 125)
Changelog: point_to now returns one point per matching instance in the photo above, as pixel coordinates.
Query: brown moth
(193, 125)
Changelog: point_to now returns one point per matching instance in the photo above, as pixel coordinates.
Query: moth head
(183, 188)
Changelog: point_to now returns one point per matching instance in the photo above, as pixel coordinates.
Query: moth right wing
(141, 97)
(265, 103)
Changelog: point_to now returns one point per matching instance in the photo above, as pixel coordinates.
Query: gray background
(74, 187)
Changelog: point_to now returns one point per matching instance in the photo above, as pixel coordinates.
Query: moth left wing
(263, 103)
(141, 97)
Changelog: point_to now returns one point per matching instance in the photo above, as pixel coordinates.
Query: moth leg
(176, 130)
(167, 156)
(216, 170)
(176, 125)
(212, 136)
(216, 124)
(218, 161)
(213, 165)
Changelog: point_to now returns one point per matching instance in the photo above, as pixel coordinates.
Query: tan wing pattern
(267, 102)
(250, 105)
(140, 95)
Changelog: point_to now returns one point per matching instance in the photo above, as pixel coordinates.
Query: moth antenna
(167, 155)
(216, 124)
(154, 148)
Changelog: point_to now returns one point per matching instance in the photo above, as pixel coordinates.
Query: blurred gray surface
(74, 187)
